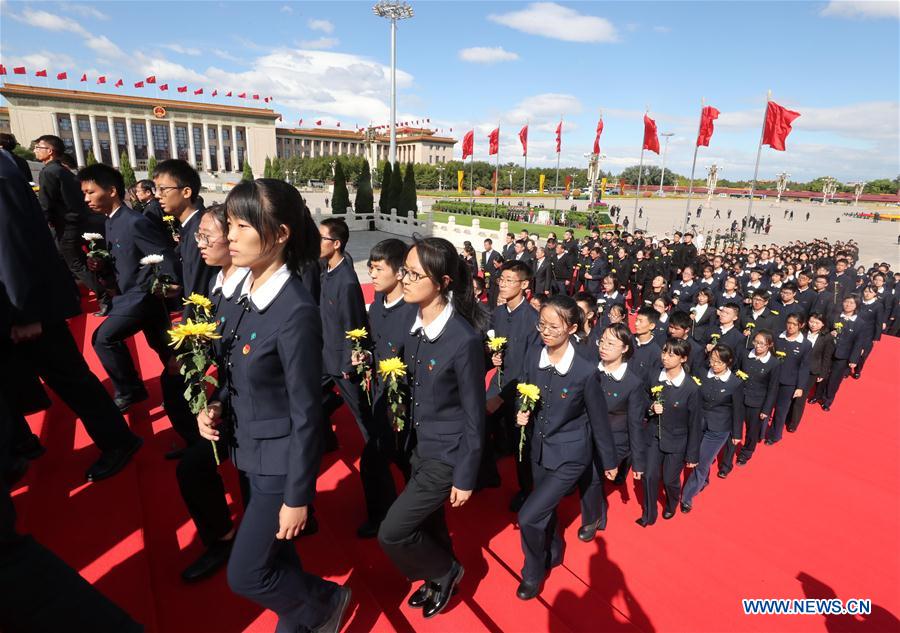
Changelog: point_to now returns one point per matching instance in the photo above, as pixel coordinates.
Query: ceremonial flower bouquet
(656, 394)
(172, 223)
(496, 344)
(838, 327)
(780, 354)
(391, 371)
(194, 339)
(529, 396)
(749, 326)
(741, 374)
(93, 250)
(160, 283)
(358, 336)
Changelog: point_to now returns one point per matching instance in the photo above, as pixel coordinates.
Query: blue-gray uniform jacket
(390, 327)
(646, 360)
(274, 389)
(626, 402)
(873, 313)
(852, 338)
(761, 384)
(795, 362)
(196, 276)
(733, 338)
(342, 309)
(678, 428)
(683, 294)
(519, 329)
(447, 403)
(723, 404)
(130, 237)
(781, 313)
(570, 421)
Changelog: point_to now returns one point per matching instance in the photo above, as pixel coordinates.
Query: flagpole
(637, 195)
(756, 169)
(497, 173)
(472, 176)
(687, 208)
(525, 170)
(556, 187)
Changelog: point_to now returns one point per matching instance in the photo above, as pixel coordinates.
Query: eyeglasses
(204, 240)
(42, 147)
(327, 239)
(717, 362)
(504, 281)
(543, 328)
(162, 190)
(412, 274)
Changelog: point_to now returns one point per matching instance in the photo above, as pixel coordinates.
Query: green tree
(340, 199)
(396, 195)
(24, 152)
(267, 170)
(91, 159)
(384, 199)
(277, 168)
(248, 171)
(365, 198)
(651, 176)
(127, 170)
(151, 166)
(408, 195)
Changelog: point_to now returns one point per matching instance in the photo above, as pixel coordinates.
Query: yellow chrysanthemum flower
(780, 354)
(168, 218)
(358, 334)
(391, 368)
(496, 343)
(741, 374)
(696, 380)
(529, 392)
(838, 326)
(199, 301)
(656, 390)
(190, 330)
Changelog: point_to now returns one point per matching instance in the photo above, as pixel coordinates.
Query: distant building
(414, 145)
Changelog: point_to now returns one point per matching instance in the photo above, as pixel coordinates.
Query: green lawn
(493, 224)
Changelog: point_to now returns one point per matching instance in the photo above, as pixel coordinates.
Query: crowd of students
(640, 355)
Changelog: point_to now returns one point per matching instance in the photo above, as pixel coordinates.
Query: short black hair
(651, 314)
(678, 346)
(8, 141)
(59, 148)
(182, 173)
(338, 230)
(521, 268)
(146, 184)
(726, 355)
(104, 176)
(681, 319)
(390, 251)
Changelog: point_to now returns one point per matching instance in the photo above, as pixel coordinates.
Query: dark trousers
(55, 357)
(839, 371)
(710, 445)
(798, 406)
(268, 571)
(752, 429)
(593, 494)
(671, 465)
(866, 352)
(203, 490)
(69, 245)
(374, 464)
(502, 438)
(783, 402)
(414, 533)
(541, 540)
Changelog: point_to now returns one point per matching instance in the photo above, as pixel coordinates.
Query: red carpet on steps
(817, 516)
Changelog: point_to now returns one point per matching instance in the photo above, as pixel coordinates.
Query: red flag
(41, 73)
(267, 99)
(651, 140)
(228, 94)
(468, 145)
(523, 138)
(558, 137)
(139, 84)
(215, 92)
(182, 88)
(19, 70)
(120, 83)
(778, 125)
(83, 77)
(198, 91)
(256, 97)
(2, 69)
(319, 122)
(300, 123)
(339, 124)
(243, 95)
(494, 142)
(707, 116)
(62, 76)
(151, 79)
(101, 79)
(597, 136)
(163, 87)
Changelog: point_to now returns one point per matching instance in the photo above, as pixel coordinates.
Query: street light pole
(393, 10)
(662, 175)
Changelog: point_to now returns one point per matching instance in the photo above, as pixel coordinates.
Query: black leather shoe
(855, 375)
(420, 596)
(334, 621)
(29, 448)
(770, 442)
(112, 461)
(125, 401)
(742, 462)
(642, 522)
(518, 500)
(528, 590)
(826, 407)
(685, 508)
(587, 532)
(442, 592)
(209, 562)
(175, 453)
(791, 429)
(369, 529)
(723, 474)
(812, 401)
(668, 514)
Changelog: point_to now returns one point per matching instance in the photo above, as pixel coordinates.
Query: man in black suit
(9, 143)
(63, 205)
(491, 261)
(543, 279)
(509, 248)
(562, 265)
(37, 295)
(145, 192)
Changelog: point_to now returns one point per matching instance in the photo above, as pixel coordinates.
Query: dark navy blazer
(626, 402)
(761, 385)
(196, 276)
(342, 309)
(519, 328)
(852, 339)
(678, 428)
(723, 404)
(795, 362)
(389, 329)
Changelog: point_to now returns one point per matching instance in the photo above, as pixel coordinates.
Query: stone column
(129, 134)
(234, 152)
(173, 143)
(113, 141)
(221, 149)
(207, 161)
(76, 140)
(191, 146)
(150, 149)
(95, 138)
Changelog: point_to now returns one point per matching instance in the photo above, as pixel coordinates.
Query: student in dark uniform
(199, 481)
(703, 315)
(571, 430)
(680, 324)
(871, 311)
(342, 309)
(609, 297)
(820, 358)
(722, 394)
(37, 295)
(444, 354)
(145, 192)
(727, 332)
(785, 305)
(851, 335)
(684, 291)
(515, 321)
(672, 432)
(729, 293)
(758, 314)
(645, 361)
(626, 402)
(794, 349)
(762, 370)
(272, 402)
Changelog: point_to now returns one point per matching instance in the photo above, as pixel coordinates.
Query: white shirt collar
(756, 314)
(678, 379)
(521, 301)
(330, 268)
(266, 293)
(188, 218)
(228, 286)
(725, 330)
(434, 329)
(664, 317)
(687, 284)
(799, 338)
(617, 373)
(869, 302)
(763, 359)
(638, 343)
(116, 211)
(700, 309)
(391, 304)
(724, 377)
(564, 365)
(848, 318)
(812, 337)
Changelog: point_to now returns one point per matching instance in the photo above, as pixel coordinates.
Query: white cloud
(862, 9)
(487, 55)
(874, 120)
(218, 52)
(321, 25)
(286, 8)
(83, 10)
(50, 22)
(321, 43)
(555, 21)
(55, 62)
(165, 69)
(182, 50)
(662, 29)
(104, 47)
(544, 108)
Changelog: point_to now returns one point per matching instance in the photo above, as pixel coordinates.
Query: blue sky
(470, 65)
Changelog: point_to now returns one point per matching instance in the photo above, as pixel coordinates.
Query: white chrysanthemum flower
(491, 334)
(91, 237)
(151, 260)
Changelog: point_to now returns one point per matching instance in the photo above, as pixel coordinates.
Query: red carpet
(822, 506)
